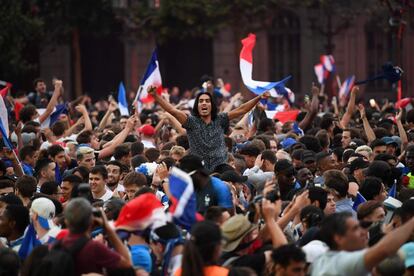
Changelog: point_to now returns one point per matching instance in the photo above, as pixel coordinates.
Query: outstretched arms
(178, 114)
(246, 107)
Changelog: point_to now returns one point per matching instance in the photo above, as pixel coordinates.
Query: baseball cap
(234, 230)
(314, 249)
(288, 142)
(45, 209)
(407, 251)
(147, 130)
(358, 163)
(308, 156)
(191, 163)
(233, 176)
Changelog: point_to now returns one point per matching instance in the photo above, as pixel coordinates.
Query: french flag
(4, 124)
(328, 62)
(359, 199)
(152, 77)
(54, 117)
(184, 205)
(246, 69)
(122, 101)
(346, 87)
(393, 191)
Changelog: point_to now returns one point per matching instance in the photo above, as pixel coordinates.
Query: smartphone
(372, 103)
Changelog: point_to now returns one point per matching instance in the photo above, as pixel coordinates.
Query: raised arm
(367, 127)
(104, 122)
(178, 114)
(119, 139)
(53, 101)
(246, 107)
(350, 108)
(82, 109)
(310, 115)
(388, 245)
(401, 130)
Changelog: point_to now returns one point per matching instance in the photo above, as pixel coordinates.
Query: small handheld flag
(246, 69)
(152, 77)
(393, 191)
(184, 206)
(346, 87)
(358, 200)
(122, 101)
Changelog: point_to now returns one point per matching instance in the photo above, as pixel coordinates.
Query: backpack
(60, 260)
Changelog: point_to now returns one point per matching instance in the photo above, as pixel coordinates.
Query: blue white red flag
(54, 116)
(4, 124)
(328, 63)
(184, 205)
(29, 242)
(346, 87)
(359, 199)
(152, 77)
(122, 101)
(320, 73)
(246, 69)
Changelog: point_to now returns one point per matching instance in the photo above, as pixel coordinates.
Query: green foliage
(19, 31)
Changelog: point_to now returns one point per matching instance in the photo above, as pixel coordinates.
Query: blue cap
(288, 142)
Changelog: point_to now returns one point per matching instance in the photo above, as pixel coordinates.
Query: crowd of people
(89, 192)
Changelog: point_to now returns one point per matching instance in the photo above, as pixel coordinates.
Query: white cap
(45, 209)
(314, 249)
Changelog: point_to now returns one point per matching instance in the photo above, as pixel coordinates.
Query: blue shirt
(215, 193)
(345, 205)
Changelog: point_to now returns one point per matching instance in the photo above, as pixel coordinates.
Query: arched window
(380, 48)
(284, 49)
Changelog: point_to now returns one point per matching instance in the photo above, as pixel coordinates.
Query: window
(284, 49)
(379, 50)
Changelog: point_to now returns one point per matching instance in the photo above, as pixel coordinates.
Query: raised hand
(361, 109)
(151, 90)
(81, 108)
(398, 117)
(315, 90)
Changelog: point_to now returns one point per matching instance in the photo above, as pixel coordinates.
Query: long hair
(214, 110)
(200, 250)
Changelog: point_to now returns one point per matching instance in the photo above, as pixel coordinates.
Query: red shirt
(93, 257)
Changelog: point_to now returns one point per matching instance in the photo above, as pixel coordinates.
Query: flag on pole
(122, 101)
(320, 73)
(152, 77)
(359, 199)
(393, 191)
(4, 124)
(328, 63)
(54, 116)
(246, 69)
(184, 205)
(346, 87)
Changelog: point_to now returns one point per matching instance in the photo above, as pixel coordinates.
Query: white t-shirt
(340, 263)
(147, 144)
(107, 195)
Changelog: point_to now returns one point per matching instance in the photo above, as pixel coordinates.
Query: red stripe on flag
(247, 50)
(286, 116)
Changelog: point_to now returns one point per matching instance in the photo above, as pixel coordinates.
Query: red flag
(286, 116)
(17, 107)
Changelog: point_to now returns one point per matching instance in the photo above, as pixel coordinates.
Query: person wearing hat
(241, 236)
(309, 160)
(147, 133)
(42, 213)
(206, 127)
(356, 169)
(210, 191)
(285, 175)
(237, 183)
(167, 244)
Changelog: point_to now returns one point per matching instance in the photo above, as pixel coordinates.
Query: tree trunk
(76, 61)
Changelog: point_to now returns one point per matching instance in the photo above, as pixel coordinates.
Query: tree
(20, 32)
